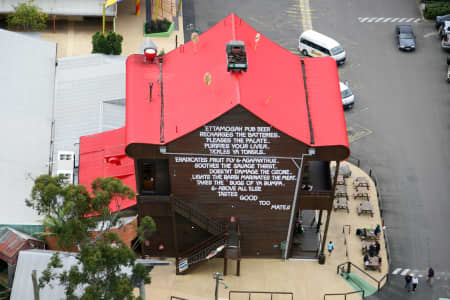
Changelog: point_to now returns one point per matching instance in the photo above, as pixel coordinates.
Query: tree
(107, 44)
(27, 17)
(102, 262)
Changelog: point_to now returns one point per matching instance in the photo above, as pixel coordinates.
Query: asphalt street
(399, 125)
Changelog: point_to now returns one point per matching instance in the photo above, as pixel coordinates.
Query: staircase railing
(250, 293)
(199, 252)
(207, 223)
(341, 267)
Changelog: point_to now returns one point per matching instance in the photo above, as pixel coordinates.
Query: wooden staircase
(199, 253)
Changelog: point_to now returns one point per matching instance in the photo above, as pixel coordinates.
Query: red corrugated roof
(273, 89)
(103, 155)
(12, 241)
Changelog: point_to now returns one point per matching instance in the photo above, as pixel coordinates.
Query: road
(399, 125)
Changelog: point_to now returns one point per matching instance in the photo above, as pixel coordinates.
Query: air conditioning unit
(65, 164)
(68, 174)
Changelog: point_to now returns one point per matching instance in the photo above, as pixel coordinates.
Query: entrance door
(306, 238)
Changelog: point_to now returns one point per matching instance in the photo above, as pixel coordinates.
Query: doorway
(306, 236)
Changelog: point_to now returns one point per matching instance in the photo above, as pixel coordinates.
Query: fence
(345, 295)
(177, 298)
(371, 171)
(341, 268)
(250, 293)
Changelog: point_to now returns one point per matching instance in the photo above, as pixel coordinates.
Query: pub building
(228, 162)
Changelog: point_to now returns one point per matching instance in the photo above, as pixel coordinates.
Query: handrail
(202, 253)
(260, 292)
(348, 263)
(191, 212)
(177, 298)
(203, 244)
(342, 294)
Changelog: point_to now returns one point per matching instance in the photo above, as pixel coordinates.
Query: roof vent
(150, 54)
(236, 56)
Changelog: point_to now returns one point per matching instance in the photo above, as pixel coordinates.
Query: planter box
(160, 34)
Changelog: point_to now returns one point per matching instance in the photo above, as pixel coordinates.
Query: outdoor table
(374, 264)
(341, 203)
(340, 180)
(341, 191)
(360, 181)
(365, 207)
(365, 246)
(362, 193)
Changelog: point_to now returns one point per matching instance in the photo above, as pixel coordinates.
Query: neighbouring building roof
(89, 98)
(13, 241)
(27, 76)
(103, 155)
(38, 260)
(69, 8)
(299, 97)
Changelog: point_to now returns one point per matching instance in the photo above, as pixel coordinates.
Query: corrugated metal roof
(64, 7)
(12, 241)
(38, 260)
(27, 83)
(89, 98)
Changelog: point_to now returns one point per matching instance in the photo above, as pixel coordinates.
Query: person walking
(430, 276)
(408, 280)
(415, 282)
(330, 248)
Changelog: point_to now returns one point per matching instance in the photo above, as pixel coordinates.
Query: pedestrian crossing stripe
(404, 272)
(420, 273)
(386, 20)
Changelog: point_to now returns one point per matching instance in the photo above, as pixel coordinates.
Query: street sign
(183, 265)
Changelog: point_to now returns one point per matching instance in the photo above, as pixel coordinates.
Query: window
(154, 177)
(65, 156)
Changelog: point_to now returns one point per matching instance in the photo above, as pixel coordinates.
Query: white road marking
(363, 19)
(396, 271)
(402, 19)
(394, 20)
(409, 20)
(371, 20)
(430, 34)
(417, 20)
(378, 20)
(420, 275)
(386, 20)
(405, 271)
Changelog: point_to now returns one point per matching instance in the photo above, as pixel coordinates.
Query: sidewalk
(308, 280)
(75, 38)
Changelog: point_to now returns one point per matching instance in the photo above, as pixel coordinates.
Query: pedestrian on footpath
(408, 280)
(330, 248)
(430, 276)
(415, 282)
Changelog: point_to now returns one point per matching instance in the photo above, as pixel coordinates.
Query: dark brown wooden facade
(237, 165)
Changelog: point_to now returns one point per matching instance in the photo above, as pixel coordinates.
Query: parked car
(348, 99)
(445, 43)
(441, 19)
(444, 29)
(448, 69)
(406, 39)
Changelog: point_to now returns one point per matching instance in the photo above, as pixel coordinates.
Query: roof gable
(299, 97)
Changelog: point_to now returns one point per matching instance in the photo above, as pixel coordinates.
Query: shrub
(158, 26)
(27, 17)
(109, 44)
(436, 8)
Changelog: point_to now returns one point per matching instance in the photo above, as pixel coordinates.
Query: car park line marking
(396, 271)
(386, 20)
(430, 34)
(404, 272)
(305, 11)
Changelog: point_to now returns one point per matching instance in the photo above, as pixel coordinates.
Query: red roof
(273, 89)
(103, 155)
(13, 241)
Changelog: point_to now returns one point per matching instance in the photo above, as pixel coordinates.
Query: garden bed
(159, 29)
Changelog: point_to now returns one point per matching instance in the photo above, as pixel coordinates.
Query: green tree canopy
(69, 212)
(107, 44)
(27, 17)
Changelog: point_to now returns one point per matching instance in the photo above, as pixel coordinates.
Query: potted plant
(160, 28)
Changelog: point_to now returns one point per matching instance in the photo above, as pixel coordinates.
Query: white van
(348, 99)
(312, 43)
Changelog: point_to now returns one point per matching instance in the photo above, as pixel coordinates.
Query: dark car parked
(441, 19)
(405, 37)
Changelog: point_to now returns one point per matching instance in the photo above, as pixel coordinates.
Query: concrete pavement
(308, 280)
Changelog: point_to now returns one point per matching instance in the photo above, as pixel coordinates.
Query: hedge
(107, 44)
(158, 26)
(436, 8)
